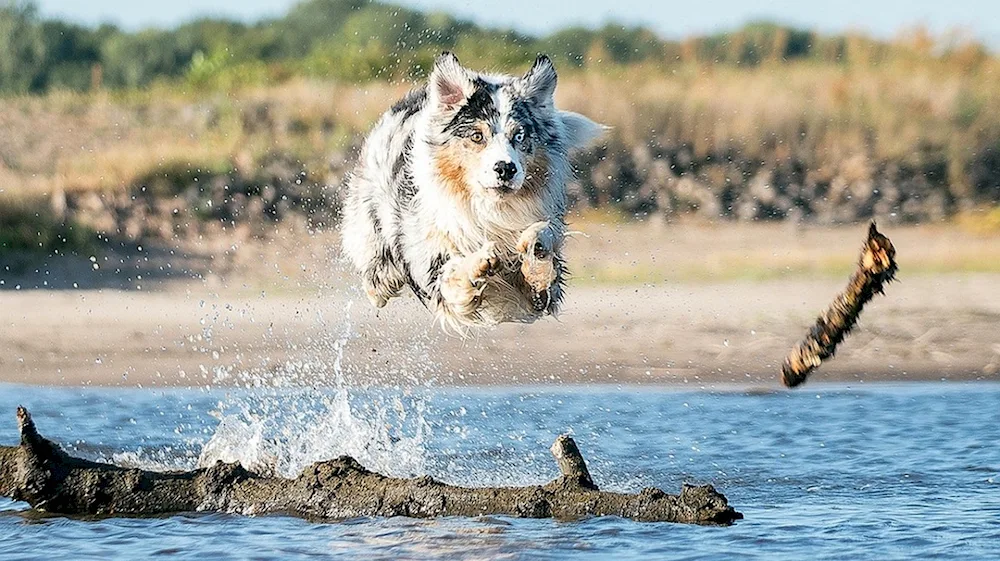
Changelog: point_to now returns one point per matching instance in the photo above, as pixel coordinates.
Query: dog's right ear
(450, 84)
(540, 81)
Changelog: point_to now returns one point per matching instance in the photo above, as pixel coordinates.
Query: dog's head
(498, 135)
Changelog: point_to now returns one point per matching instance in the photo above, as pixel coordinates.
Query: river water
(866, 471)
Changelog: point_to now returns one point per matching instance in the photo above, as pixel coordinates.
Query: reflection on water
(830, 472)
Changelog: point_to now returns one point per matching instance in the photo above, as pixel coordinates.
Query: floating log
(41, 474)
(876, 268)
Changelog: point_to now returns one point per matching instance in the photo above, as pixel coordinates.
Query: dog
(459, 194)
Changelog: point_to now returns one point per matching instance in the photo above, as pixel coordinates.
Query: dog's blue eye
(519, 136)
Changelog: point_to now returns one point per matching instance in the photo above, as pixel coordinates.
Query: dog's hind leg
(365, 244)
(382, 281)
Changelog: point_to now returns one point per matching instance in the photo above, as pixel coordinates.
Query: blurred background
(171, 176)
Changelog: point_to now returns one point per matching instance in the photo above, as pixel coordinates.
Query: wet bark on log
(40, 473)
(571, 463)
(876, 268)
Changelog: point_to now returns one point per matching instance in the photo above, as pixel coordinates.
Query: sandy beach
(696, 306)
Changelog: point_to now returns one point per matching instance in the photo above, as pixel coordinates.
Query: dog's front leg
(541, 265)
(463, 280)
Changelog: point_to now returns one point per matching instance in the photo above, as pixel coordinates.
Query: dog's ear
(539, 82)
(450, 84)
(578, 130)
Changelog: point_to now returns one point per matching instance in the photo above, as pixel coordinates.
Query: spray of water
(282, 429)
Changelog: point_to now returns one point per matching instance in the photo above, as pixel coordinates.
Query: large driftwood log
(47, 478)
(876, 268)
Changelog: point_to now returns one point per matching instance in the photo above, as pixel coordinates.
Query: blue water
(827, 472)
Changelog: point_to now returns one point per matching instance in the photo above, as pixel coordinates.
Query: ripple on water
(891, 472)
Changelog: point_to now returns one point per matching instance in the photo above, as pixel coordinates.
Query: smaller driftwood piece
(876, 268)
(41, 474)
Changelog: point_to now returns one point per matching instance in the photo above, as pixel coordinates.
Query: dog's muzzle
(505, 171)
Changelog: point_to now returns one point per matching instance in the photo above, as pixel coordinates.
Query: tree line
(359, 40)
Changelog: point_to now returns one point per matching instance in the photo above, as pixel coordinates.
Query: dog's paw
(464, 279)
(457, 290)
(536, 240)
(483, 263)
(537, 247)
(377, 299)
(379, 292)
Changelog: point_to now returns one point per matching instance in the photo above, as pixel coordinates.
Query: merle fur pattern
(460, 195)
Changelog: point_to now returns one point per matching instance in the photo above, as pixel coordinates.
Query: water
(828, 472)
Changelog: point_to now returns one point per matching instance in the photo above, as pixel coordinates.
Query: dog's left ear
(578, 131)
(539, 82)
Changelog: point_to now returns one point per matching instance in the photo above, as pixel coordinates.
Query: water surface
(827, 472)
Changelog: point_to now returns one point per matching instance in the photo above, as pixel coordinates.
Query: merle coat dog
(460, 195)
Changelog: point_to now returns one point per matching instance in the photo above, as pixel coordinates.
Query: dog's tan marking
(451, 169)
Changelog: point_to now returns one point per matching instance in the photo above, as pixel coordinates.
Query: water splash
(281, 429)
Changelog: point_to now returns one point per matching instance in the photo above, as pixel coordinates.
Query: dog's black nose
(505, 170)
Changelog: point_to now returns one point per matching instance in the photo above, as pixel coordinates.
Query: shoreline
(678, 334)
(838, 385)
(277, 313)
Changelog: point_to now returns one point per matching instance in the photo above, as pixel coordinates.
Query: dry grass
(984, 222)
(836, 120)
(842, 116)
(105, 141)
(622, 253)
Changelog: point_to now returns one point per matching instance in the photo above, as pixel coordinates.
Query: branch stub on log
(571, 463)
